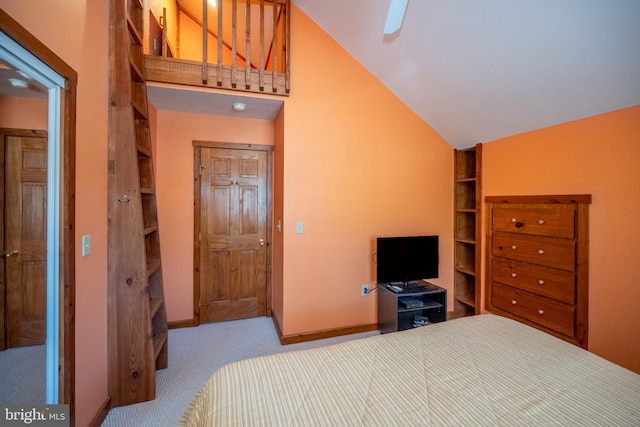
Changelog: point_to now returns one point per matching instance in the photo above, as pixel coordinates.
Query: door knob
(261, 241)
(12, 253)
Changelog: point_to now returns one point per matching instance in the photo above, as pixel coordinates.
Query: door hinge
(199, 303)
(199, 237)
(201, 167)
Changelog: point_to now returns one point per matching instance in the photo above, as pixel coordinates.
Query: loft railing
(244, 45)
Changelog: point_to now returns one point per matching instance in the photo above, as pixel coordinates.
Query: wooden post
(274, 70)
(247, 62)
(287, 43)
(234, 52)
(219, 72)
(205, 32)
(261, 70)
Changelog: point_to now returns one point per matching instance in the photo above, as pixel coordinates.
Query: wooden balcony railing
(245, 46)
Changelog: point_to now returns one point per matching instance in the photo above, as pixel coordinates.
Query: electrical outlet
(365, 290)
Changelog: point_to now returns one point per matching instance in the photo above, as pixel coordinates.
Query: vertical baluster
(220, 35)
(205, 28)
(234, 20)
(164, 25)
(287, 41)
(261, 70)
(274, 71)
(247, 65)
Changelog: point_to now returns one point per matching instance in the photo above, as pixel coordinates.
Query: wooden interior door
(233, 234)
(25, 238)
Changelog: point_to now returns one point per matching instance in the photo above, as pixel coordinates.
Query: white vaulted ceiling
(477, 70)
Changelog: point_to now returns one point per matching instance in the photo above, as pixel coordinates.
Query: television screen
(407, 259)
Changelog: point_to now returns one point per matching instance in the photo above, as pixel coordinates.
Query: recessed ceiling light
(18, 83)
(213, 3)
(239, 106)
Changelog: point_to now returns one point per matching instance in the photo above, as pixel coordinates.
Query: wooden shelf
(466, 270)
(467, 231)
(466, 300)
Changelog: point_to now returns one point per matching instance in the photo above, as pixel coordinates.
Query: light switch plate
(299, 227)
(86, 245)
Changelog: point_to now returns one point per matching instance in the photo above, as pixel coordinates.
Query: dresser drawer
(543, 311)
(551, 221)
(545, 281)
(547, 251)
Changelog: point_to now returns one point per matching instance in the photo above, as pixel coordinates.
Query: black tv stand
(392, 316)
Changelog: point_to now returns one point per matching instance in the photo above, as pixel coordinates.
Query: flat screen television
(406, 259)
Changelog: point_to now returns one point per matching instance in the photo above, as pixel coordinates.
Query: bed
(482, 370)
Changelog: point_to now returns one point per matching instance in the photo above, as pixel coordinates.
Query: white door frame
(17, 56)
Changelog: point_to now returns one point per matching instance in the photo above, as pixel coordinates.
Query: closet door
(233, 233)
(25, 239)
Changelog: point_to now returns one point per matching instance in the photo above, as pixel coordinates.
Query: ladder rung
(136, 73)
(144, 151)
(150, 230)
(155, 305)
(152, 266)
(158, 342)
(137, 38)
(138, 110)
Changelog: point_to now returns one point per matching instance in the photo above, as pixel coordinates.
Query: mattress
(482, 370)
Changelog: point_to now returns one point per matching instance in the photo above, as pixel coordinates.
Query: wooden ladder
(137, 315)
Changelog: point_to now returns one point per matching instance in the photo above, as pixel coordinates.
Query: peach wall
(598, 156)
(358, 164)
(352, 163)
(82, 42)
(23, 113)
(175, 133)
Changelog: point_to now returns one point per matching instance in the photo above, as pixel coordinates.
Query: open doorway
(22, 51)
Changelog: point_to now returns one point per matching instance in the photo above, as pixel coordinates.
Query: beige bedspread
(484, 370)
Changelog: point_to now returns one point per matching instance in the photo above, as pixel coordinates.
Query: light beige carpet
(194, 354)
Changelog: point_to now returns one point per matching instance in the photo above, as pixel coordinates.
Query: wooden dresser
(538, 262)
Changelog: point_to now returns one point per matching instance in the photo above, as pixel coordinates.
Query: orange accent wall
(599, 156)
(23, 113)
(357, 164)
(78, 33)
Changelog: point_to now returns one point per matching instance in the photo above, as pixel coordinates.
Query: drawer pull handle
(541, 221)
(541, 312)
(514, 275)
(514, 302)
(540, 282)
(514, 247)
(519, 224)
(540, 251)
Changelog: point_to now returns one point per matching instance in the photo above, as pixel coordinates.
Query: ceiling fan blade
(395, 16)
